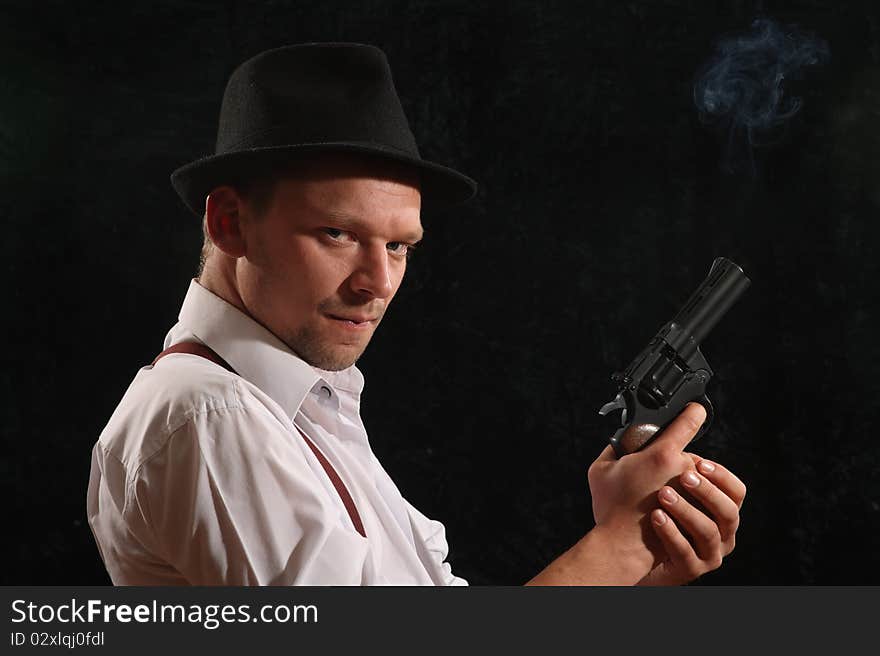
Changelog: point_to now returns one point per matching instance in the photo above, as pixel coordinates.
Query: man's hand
(721, 494)
(626, 547)
(627, 491)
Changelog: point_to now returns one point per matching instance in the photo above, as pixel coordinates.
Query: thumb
(607, 455)
(683, 428)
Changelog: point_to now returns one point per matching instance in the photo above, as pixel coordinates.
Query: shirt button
(326, 391)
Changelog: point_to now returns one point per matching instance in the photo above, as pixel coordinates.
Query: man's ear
(223, 220)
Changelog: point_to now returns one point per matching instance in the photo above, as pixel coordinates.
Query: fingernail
(706, 467)
(691, 479)
(668, 495)
(659, 517)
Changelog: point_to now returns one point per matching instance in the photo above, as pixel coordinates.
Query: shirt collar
(257, 354)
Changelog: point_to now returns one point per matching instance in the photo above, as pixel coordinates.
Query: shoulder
(164, 398)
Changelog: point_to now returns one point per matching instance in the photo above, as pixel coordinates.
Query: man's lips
(353, 319)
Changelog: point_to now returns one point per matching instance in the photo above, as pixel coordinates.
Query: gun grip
(632, 437)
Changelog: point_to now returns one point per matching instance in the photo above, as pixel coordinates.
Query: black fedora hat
(323, 97)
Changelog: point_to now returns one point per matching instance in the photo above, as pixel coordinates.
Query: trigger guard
(710, 416)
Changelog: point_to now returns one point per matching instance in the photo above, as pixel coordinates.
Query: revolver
(671, 371)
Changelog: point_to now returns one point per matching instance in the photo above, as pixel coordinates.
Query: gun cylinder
(724, 284)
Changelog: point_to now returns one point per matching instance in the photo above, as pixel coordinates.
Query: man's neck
(218, 277)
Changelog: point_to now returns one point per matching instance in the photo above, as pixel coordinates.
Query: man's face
(325, 260)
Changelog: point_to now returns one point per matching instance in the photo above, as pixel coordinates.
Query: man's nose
(372, 277)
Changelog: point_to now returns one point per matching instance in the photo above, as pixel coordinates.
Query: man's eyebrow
(344, 220)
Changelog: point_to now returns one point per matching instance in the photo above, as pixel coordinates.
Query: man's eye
(334, 233)
(399, 248)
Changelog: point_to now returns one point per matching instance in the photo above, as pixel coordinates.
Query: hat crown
(313, 93)
(313, 97)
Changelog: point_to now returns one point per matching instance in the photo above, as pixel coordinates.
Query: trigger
(611, 406)
(617, 404)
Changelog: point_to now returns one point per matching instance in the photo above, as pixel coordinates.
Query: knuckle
(734, 526)
(728, 531)
(731, 545)
(710, 536)
(691, 423)
(694, 568)
(665, 458)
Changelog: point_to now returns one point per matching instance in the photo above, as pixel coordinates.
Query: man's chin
(334, 365)
(328, 359)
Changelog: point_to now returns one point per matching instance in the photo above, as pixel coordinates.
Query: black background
(602, 205)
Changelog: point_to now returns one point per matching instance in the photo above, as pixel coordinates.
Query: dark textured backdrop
(602, 205)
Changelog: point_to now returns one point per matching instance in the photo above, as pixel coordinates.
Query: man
(239, 457)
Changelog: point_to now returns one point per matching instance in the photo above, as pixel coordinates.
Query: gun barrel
(724, 284)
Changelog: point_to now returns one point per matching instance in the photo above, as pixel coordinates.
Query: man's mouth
(353, 320)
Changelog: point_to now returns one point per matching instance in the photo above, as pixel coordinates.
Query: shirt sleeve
(230, 499)
(434, 534)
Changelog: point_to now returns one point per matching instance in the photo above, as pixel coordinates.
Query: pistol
(671, 371)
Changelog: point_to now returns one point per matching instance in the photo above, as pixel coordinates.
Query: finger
(716, 503)
(682, 429)
(724, 479)
(703, 531)
(680, 552)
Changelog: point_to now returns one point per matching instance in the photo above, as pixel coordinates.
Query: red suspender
(347, 501)
(205, 352)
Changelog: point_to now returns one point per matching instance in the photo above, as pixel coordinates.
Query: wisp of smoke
(742, 86)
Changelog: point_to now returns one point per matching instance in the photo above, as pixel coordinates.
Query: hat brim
(441, 187)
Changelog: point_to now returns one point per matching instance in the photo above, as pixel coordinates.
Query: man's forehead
(356, 194)
(358, 197)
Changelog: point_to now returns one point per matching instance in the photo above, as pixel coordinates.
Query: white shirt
(201, 478)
